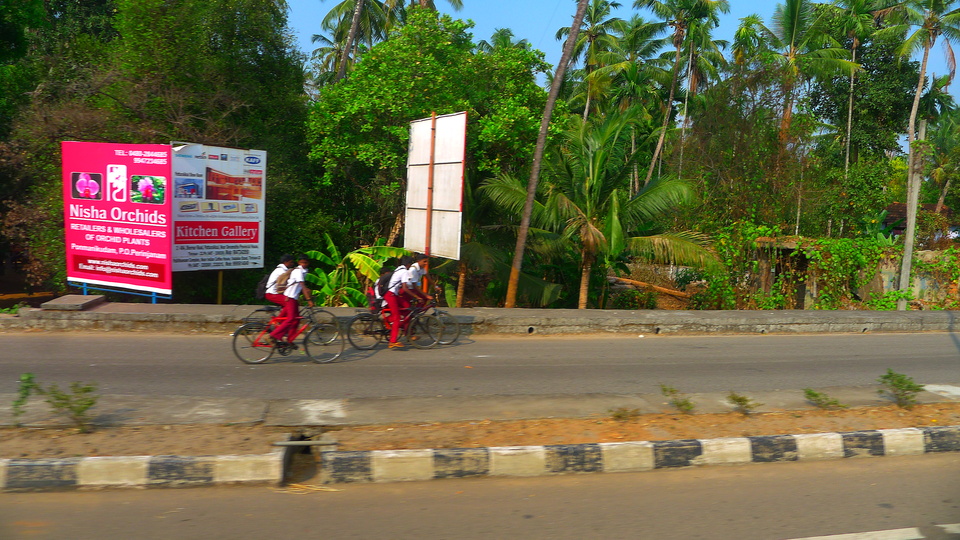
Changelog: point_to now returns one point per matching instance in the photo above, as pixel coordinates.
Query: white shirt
(294, 283)
(274, 276)
(415, 274)
(399, 276)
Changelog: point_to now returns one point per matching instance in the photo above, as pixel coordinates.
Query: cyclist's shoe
(396, 345)
(269, 341)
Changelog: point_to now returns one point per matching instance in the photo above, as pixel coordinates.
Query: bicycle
(451, 326)
(322, 340)
(366, 330)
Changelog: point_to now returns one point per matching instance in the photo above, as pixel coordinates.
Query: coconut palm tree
(585, 201)
(679, 14)
(633, 73)
(596, 35)
(369, 21)
(457, 5)
(502, 38)
(704, 60)
(857, 23)
(538, 152)
(929, 20)
(801, 50)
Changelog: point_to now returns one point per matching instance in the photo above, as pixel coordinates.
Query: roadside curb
(381, 466)
(519, 461)
(140, 471)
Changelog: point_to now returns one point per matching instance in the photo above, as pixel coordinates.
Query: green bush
(634, 299)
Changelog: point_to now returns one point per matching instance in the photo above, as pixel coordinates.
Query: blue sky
(537, 21)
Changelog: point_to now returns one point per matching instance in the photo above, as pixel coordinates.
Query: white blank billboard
(449, 148)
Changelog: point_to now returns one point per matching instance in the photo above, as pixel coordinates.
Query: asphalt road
(752, 502)
(204, 365)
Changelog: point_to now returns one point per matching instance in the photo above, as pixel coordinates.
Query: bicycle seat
(268, 309)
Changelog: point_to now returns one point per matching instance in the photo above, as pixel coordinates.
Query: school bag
(282, 281)
(261, 291)
(383, 283)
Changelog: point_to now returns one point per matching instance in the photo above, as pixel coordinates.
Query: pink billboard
(117, 213)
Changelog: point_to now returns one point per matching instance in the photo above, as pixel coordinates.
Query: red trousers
(291, 310)
(398, 305)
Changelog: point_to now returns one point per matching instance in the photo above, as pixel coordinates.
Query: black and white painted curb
(409, 465)
(406, 465)
(139, 471)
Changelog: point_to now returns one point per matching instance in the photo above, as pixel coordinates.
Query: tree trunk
(461, 283)
(635, 176)
(943, 195)
(585, 281)
(351, 35)
(395, 230)
(913, 185)
(538, 151)
(686, 98)
(846, 160)
(666, 118)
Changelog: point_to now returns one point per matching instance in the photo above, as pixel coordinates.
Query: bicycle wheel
(451, 328)
(321, 318)
(318, 348)
(424, 331)
(364, 331)
(250, 343)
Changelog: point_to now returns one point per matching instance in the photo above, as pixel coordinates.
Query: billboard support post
(433, 151)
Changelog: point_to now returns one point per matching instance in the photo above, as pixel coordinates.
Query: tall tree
(596, 36)
(366, 20)
(857, 23)
(538, 152)
(801, 50)
(679, 14)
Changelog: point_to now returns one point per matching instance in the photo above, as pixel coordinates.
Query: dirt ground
(196, 440)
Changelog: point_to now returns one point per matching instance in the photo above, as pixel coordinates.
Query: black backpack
(383, 283)
(261, 291)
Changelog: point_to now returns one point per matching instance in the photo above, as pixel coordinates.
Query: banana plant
(341, 279)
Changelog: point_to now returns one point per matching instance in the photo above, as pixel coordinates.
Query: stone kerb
(224, 319)
(523, 461)
(139, 471)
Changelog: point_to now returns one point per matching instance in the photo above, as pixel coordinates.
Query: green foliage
(888, 301)
(742, 404)
(822, 400)
(634, 299)
(680, 401)
(873, 227)
(686, 276)
(883, 93)
(902, 388)
(840, 266)
(14, 309)
(623, 414)
(945, 270)
(359, 127)
(342, 277)
(74, 404)
(26, 385)
(831, 269)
